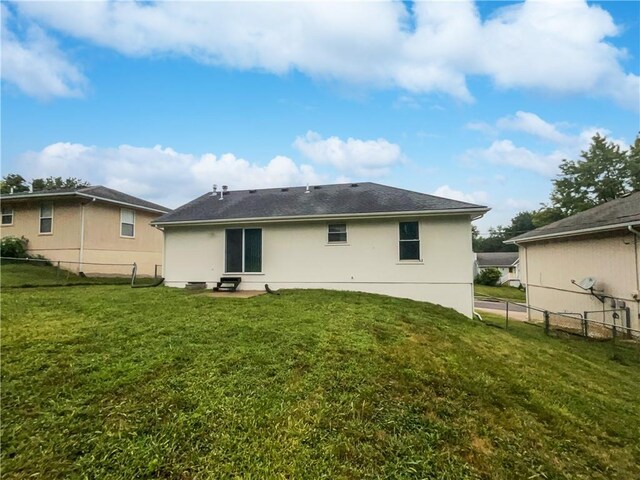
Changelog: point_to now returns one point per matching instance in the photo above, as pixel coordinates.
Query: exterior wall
(297, 255)
(612, 258)
(62, 244)
(102, 243)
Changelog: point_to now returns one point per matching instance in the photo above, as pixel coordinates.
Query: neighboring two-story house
(96, 229)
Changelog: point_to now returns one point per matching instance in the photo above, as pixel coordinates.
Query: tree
(494, 242)
(15, 181)
(604, 173)
(633, 158)
(57, 183)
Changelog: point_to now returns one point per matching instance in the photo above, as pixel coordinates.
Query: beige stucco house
(361, 237)
(601, 243)
(95, 230)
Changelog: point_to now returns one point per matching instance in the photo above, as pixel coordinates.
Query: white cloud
(505, 152)
(446, 191)
(36, 65)
(162, 174)
(559, 47)
(532, 124)
(367, 158)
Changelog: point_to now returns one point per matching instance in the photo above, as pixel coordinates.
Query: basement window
(46, 218)
(337, 233)
(127, 223)
(7, 216)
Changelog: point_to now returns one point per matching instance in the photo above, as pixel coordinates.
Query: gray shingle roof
(361, 198)
(496, 259)
(95, 191)
(621, 211)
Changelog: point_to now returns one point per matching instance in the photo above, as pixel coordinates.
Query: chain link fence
(598, 324)
(40, 272)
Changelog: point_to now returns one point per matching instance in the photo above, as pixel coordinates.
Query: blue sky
(475, 101)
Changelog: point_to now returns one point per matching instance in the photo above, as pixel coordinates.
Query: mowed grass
(110, 382)
(39, 275)
(505, 293)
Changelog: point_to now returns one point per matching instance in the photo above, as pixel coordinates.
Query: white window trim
(40, 217)
(224, 259)
(413, 261)
(346, 231)
(134, 223)
(5, 214)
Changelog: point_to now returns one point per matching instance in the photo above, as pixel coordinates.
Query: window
(409, 241)
(243, 250)
(512, 269)
(127, 223)
(7, 216)
(337, 233)
(46, 218)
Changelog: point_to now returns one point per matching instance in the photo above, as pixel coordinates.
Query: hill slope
(110, 382)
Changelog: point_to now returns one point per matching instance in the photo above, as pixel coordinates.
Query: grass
(505, 293)
(113, 383)
(24, 275)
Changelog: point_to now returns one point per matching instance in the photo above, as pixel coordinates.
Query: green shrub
(489, 276)
(14, 247)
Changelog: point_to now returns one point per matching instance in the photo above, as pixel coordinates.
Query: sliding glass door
(243, 250)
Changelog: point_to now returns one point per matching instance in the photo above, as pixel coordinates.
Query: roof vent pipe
(215, 189)
(307, 190)
(224, 188)
(221, 193)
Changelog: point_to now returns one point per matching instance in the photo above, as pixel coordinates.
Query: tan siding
(66, 228)
(548, 268)
(102, 240)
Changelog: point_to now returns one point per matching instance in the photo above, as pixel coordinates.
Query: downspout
(636, 234)
(526, 279)
(81, 259)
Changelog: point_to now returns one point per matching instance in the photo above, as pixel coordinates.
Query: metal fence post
(546, 322)
(506, 318)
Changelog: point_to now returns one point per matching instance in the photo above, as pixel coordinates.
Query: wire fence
(606, 324)
(41, 272)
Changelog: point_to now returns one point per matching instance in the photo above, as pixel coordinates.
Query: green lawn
(37, 274)
(505, 293)
(111, 382)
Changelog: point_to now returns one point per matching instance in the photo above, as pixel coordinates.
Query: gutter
(570, 233)
(301, 218)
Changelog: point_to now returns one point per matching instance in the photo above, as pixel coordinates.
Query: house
(91, 230)
(560, 262)
(506, 262)
(360, 236)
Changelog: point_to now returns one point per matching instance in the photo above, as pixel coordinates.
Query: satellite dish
(587, 283)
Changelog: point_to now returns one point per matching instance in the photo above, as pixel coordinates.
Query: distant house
(362, 237)
(507, 263)
(600, 243)
(90, 227)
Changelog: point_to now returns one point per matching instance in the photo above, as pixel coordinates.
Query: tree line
(16, 183)
(603, 173)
